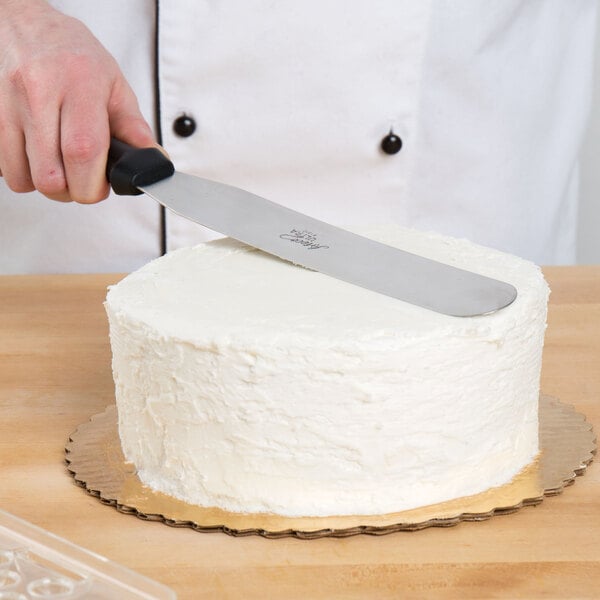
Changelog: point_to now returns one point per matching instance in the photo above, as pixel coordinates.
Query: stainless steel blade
(305, 241)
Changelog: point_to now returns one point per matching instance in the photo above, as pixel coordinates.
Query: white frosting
(250, 384)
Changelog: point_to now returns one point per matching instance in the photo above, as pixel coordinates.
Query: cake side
(343, 402)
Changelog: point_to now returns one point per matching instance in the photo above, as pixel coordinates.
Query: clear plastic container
(36, 564)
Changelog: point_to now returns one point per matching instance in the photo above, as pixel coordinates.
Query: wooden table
(55, 373)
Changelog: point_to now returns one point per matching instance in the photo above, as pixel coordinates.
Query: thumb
(125, 119)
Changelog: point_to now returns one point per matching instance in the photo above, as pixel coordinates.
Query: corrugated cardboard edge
(94, 458)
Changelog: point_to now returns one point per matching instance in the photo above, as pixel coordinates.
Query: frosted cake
(249, 384)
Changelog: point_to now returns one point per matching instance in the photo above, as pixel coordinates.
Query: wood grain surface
(55, 373)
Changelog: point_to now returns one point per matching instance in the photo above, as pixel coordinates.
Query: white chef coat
(292, 99)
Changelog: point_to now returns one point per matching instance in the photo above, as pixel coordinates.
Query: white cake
(247, 383)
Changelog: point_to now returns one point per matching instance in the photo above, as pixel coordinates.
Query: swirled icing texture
(253, 385)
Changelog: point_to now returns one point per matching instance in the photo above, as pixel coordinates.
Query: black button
(184, 126)
(391, 143)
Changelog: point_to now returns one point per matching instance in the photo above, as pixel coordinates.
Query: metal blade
(305, 241)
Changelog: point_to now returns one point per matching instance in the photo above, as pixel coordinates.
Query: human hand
(62, 97)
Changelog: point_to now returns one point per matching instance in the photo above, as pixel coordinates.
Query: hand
(62, 96)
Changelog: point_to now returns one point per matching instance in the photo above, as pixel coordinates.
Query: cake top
(225, 288)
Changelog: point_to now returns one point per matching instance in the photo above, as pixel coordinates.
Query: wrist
(23, 8)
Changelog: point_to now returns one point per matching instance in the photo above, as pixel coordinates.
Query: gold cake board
(95, 459)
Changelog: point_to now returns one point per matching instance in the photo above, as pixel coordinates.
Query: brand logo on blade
(304, 238)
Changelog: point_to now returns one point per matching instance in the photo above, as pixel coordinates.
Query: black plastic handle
(129, 168)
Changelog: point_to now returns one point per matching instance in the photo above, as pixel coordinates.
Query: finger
(41, 119)
(85, 138)
(14, 164)
(60, 197)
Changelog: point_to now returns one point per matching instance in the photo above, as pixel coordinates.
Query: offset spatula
(303, 240)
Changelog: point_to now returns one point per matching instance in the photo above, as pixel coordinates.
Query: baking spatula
(305, 241)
